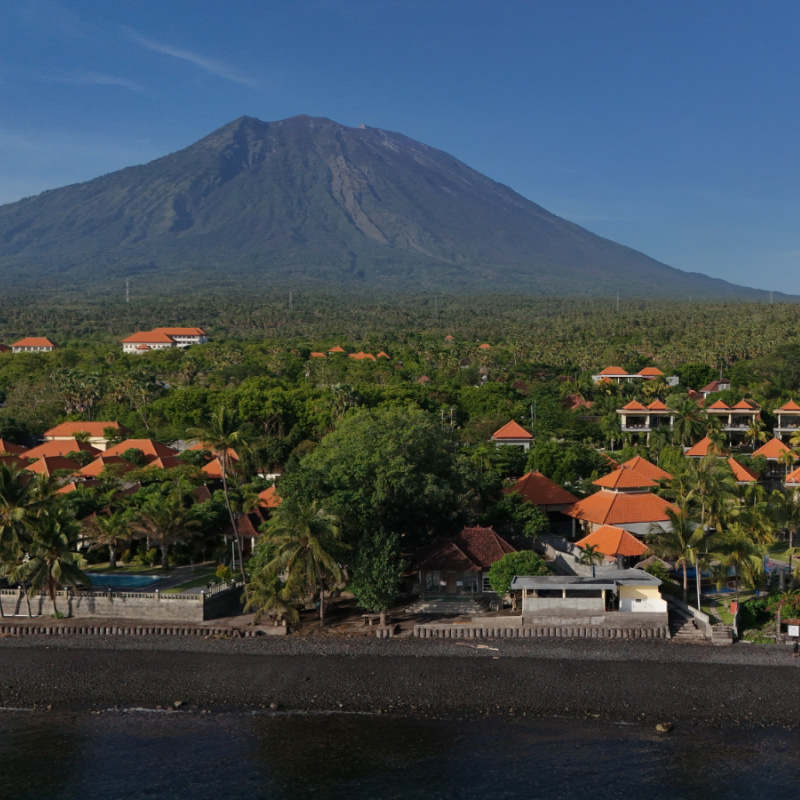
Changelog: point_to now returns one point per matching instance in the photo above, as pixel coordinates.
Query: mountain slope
(308, 202)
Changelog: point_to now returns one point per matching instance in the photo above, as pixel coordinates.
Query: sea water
(141, 754)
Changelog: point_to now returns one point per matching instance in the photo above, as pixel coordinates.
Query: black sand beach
(636, 681)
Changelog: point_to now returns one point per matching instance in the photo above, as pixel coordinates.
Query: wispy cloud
(99, 79)
(211, 65)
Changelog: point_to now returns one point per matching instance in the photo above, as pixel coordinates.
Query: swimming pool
(101, 580)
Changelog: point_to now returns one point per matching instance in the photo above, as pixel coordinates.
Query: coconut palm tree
(590, 555)
(737, 549)
(688, 423)
(679, 543)
(755, 433)
(110, 531)
(267, 593)
(165, 520)
(222, 433)
(303, 536)
(52, 559)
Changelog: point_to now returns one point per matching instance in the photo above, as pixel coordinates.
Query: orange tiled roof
(742, 473)
(714, 386)
(624, 478)
(484, 347)
(449, 338)
(94, 468)
(790, 406)
(772, 449)
(165, 462)
(149, 337)
(34, 341)
(318, 355)
(612, 371)
(74, 487)
(651, 372)
(539, 490)
(180, 331)
(383, 355)
(204, 446)
(60, 448)
(472, 550)
(616, 508)
(611, 541)
(634, 405)
(511, 430)
(720, 405)
(47, 465)
(702, 449)
(10, 447)
(644, 467)
(361, 356)
(745, 405)
(793, 477)
(336, 349)
(71, 428)
(269, 498)
(147, 446)
(657, 405)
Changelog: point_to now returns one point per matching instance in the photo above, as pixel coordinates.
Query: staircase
(722, 635)
(451, 605)
(682, 628)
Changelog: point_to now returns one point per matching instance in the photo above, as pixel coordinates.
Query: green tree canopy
(523, 562)
(390, 468)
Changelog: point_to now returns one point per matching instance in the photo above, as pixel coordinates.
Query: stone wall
(126, 605)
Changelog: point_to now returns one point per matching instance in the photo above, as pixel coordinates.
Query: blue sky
(670, 127)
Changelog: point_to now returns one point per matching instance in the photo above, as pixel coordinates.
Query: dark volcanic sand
(628, 681)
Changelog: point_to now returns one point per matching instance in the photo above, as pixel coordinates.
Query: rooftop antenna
(127, 290)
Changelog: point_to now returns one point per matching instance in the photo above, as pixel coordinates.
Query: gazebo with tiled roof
(514, 434)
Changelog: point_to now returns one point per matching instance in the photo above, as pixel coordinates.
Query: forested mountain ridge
(305, 202)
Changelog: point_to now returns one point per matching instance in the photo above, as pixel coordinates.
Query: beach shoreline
(636, 681)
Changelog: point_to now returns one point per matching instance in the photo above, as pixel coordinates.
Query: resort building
(744, 475)
(778, 454)
(722, 385)
(150, 449)
(33, 344)
(625, 500)
(514, 434)
(615, 544)
(646, 468)
(62, 447)
(639, 420)
(788, 420)
(96, 430)
(163, 339)
(735, 419)
(619, 375)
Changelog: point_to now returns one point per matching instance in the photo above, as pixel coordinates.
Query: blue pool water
(101, 580)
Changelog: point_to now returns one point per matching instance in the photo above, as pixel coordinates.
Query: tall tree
(689, 422)
(377, 573)
(52, 559)
(223, 433)
(304, 537)
(163, 518)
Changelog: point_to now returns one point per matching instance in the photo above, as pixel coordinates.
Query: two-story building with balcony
(638, 420)
(735, 419)
(788, 420)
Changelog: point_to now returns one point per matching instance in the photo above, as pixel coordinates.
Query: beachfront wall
(641, 599)
(218, 602)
